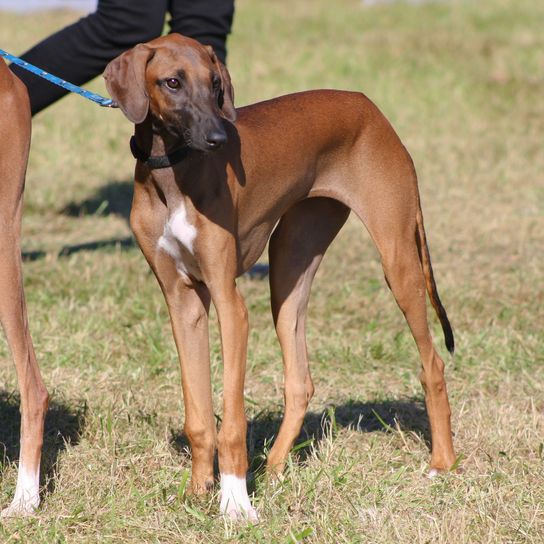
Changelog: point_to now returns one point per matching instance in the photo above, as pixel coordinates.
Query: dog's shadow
(63, 425)
(114, 198)
(366, 417)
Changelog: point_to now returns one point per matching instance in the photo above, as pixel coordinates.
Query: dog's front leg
(233, 322)
(15, 133)
(34, 397)
(188, 306)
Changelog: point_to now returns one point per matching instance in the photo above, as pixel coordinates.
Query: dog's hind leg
(296, 249)
(15, 132)
(389, 206)
(404, 275)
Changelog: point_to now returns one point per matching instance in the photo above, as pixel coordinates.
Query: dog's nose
(216, 138)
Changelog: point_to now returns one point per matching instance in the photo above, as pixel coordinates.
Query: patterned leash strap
(105, 102)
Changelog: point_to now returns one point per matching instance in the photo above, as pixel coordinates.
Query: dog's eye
(216, 83)
(173, 83)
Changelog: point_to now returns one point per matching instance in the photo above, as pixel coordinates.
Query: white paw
(20, 509)
(235, 503)
(27, 494)
(433, 473)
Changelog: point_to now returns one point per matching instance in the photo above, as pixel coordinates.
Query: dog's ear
(226, 94)
(125, 81)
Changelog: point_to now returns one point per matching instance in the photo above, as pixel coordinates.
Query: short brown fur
(15, 135)
(290, 171)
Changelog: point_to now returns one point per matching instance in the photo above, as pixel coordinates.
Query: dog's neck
(161, 144)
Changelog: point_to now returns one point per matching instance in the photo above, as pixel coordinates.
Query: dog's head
(180, 83)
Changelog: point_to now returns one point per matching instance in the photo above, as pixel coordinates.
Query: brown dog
(15, 138)
(208, 195)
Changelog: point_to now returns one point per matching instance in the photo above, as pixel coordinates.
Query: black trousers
(81, 51)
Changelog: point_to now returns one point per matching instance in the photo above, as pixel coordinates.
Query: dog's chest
(178, 241)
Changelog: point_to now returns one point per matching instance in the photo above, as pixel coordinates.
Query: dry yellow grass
(462, 83)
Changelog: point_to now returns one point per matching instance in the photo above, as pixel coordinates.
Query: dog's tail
(425, 259)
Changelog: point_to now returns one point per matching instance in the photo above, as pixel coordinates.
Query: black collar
(159, 161)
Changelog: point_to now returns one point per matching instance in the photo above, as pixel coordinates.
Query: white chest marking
(235, 502)
(181, 229)
(178, 241)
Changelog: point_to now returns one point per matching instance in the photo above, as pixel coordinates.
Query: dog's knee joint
(230, 438)
(298, 397)
(432, 376)
(36, 405)
(200, 438)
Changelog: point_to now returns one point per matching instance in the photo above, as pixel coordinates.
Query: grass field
(463, 83)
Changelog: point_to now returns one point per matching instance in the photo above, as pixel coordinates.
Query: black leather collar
(159, 161)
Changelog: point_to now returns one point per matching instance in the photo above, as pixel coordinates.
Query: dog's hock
(235, 503)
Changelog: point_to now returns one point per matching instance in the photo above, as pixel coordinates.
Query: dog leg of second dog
(15, 134)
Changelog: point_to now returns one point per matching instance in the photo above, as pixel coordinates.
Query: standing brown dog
(209, 194)
(15, 138)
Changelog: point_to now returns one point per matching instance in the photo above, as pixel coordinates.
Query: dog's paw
(235, 503)
(27, 494)
(19, 508)
(25, 502)
(238, 513)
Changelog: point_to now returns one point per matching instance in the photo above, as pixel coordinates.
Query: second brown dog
(213, 185)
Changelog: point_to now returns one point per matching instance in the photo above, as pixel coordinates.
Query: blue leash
(106, 102)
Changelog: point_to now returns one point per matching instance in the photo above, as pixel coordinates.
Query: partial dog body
(15, 138)
(289, 170)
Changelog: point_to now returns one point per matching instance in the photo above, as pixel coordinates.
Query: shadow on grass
(114, 198)
(63, 424)
(364, 417)
(121, 243)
